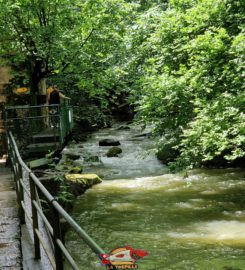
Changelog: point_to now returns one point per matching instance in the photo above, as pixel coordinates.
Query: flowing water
(197, 222)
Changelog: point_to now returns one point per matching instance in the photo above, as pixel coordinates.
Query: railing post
(57, 235)
(61, 123)
(17, 171)
(20, 192)
(34, 219)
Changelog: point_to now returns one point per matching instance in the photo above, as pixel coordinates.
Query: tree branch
(38, 14)
(75, 54)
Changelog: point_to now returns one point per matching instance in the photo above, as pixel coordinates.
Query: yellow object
(76, 177)
(22, 90)
(84, 180)
(49, 90)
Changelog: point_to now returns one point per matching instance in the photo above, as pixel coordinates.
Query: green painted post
(20, 192)
(58, 255)
(17, 171)
(60, 125)
(34, 219)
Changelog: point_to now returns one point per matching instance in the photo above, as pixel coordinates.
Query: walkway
(10, 254)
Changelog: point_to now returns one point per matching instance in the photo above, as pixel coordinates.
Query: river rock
(76, 169)
(146, 134)
(167, 153)
(108, 142)
(80, 182)
(123, 128)
(114, 151)
(90, 178)
(72, 156)
(92, 159)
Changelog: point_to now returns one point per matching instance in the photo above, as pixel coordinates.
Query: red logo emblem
(122, 258)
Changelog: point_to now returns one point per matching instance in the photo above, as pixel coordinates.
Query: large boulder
(114, 151)
(80, 182)
(108, 142)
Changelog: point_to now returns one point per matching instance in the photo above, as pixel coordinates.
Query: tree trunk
(42, 88)
(42, 91)
(38, 84)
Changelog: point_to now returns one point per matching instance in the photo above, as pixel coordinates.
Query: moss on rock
(76, 169)
(80, 182)
(114, 151)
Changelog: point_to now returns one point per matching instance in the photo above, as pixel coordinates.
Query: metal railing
(59, 252)
(26, 122)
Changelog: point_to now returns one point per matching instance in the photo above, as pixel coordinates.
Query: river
(197, 222)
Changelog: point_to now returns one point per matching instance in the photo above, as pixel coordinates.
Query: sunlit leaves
(218, 130)
(193, 80)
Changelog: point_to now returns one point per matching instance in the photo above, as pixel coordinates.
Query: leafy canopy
(191, 84)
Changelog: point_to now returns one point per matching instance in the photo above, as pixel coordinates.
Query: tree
(47, 37)
(193, 60)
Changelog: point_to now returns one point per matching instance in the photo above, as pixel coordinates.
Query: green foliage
(191, 84)
(179, 62)
(78, 45)
(52, 37)
(65, 196)
(217, 131)
(90, 111)
(76, 169)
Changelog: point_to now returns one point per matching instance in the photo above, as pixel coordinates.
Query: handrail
(60, 251)
(27, 122)
(31, 106)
